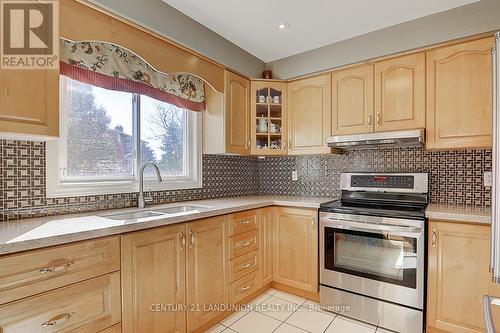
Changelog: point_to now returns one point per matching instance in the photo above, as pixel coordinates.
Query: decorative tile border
(456, 177)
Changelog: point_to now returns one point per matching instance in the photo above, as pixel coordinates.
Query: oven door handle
(375, 228)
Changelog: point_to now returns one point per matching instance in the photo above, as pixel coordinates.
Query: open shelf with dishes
(268, 118)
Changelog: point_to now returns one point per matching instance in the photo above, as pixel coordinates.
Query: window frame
(56, 187)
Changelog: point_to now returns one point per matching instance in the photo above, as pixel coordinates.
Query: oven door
(373, 256)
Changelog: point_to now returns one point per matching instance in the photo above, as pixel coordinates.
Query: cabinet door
(266, 246)
(237, 114)
(400, 93)
(458, 277)
(153, 272)
(29, 102)
(207, 273)
(296, 248)
(309, 115)
(459, 95)
(352, 101)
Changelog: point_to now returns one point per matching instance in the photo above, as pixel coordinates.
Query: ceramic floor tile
(310, 320)
(216, 329)
(285, 328)
(255, 322)
(259, 299)
(271, 291)
(228, 330)
(277, 308)
(233, 318)
(313, 305)
(344, 325)
(383, 330)
(289, 297)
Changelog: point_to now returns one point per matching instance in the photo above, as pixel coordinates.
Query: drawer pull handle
(246, 265)
(246, 243)
(56, 269)
(58, 320)
(245, 222)
(246, 288)
(434, 236)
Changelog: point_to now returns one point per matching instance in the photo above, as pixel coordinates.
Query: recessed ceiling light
(283, 26)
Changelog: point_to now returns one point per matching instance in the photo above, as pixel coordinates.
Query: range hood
(410, 138)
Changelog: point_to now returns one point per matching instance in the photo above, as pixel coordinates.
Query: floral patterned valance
(110, 66)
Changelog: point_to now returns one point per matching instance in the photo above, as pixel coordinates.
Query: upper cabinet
(237, 108)
(400, 93)
(459, 95)
(29, 102)
(309, 115)
(352, 100)
(268, 125)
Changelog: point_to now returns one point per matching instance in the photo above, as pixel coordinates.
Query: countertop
(459, 213)
(29, 234)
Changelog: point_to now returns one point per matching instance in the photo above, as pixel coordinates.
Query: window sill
(100, 188)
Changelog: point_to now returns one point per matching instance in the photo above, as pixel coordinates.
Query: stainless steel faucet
(142, 200)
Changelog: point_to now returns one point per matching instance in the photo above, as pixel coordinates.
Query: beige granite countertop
(458, 213)
(22, 235)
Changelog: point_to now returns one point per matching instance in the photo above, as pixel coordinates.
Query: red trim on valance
(114, 83)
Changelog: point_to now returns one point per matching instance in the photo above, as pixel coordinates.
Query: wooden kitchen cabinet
(459, 95)
(89, 306)
(458, 277)
(153, 272)
(400, 93)
(237, 110)
(266, 245)
(268, 103)
(207, 271)
(309, 115)
(352, 100)
(29, 102)
(295, 249)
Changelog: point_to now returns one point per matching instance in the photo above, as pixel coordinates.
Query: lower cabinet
(88, 306)
(207, 270)
(153, 275)
(295, 249)
(458, 277)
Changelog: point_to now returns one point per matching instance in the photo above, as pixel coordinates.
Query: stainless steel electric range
(372, 249)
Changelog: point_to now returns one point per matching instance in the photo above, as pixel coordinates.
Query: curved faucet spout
(142, 201)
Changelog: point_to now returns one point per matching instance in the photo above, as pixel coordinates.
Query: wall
(479, 17)
(456, 177)
(168, 21)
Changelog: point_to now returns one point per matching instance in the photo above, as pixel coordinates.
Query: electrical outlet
(295, 176)
(488, 178)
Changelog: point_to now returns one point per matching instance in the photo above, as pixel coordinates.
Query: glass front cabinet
(268, 122)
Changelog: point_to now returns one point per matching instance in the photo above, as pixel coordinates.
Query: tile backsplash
(455, 177)
(23, 184)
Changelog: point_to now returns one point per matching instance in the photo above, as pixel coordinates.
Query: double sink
(158, 213)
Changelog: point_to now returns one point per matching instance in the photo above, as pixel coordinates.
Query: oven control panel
(383, 181)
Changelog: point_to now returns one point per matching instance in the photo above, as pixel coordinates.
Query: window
(107, 135)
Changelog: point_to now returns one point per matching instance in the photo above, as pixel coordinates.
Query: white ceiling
(313, 23)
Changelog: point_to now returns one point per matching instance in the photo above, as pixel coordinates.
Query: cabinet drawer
(243, 222)
(89, 306)
(244, 287)
(241, 266)
(30, 273)
(115, 329)
(244, 243)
